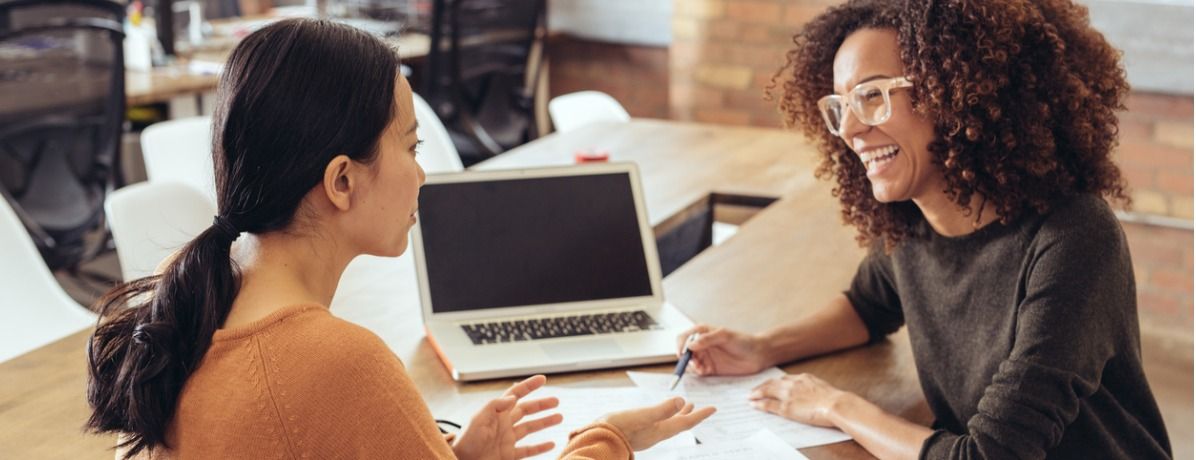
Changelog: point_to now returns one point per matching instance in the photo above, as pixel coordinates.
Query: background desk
(787, 260)
(180, 79)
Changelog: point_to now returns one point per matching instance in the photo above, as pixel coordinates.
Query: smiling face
(894, 152)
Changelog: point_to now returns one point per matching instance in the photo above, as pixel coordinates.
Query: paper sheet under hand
(716, 384)
(736, 419)
(763, 444)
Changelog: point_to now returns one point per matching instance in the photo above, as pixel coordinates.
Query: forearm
(833, 327)
(884, 435)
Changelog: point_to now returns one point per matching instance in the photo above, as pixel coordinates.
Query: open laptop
(541, 270)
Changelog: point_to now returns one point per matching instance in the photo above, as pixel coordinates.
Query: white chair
(181, 151)
(150, 221)
(437, 155)
(574, 110)
(35, 309)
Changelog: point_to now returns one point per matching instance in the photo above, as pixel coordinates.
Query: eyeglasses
(869, 101)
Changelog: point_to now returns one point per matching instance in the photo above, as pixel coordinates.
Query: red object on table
(591, 156)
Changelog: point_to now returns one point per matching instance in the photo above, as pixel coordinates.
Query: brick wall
(1163, 270)
(1156, 153)
(725, 52)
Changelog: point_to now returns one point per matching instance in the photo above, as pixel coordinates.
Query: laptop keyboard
(561, 326)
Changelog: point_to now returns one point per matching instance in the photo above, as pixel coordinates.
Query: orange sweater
(302, 383)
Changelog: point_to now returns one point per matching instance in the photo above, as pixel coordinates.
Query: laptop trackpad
(583, 350)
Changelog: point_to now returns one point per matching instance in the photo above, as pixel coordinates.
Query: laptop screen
(531, 241)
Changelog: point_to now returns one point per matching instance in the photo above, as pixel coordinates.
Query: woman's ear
(339, 181)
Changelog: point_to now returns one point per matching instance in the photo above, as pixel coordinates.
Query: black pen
(684, 361)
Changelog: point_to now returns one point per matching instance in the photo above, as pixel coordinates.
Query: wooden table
(784, 262)
(161, 84)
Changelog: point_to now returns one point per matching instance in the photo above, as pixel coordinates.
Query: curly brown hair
(1023, 96)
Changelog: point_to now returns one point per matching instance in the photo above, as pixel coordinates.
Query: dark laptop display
(521, 242)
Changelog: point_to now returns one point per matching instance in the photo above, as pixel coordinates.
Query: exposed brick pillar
(725, 52)
(1156, 153)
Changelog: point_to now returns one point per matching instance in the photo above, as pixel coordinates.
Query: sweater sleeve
(597, 441)
(351, 398)
(873, 295)
(1078, 304)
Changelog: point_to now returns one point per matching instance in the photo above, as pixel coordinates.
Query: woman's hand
(646, 426)
(493, 432)
(719, 351)
(801, 397)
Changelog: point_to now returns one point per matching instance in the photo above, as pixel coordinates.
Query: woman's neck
(280, 269)
(947, 219)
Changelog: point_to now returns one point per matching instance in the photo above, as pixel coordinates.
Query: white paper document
(717, 384)
(763, 444)
(654, 381)
(736, 419)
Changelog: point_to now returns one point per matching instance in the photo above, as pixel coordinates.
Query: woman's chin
(883, 196)
(393, 251)
(888, 192)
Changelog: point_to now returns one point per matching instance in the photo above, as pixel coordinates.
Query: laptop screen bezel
(647, 236)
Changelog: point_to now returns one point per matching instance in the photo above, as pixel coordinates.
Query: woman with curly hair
(970, 144)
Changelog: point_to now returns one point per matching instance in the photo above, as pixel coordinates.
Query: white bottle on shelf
(138, 44)
(138, 53)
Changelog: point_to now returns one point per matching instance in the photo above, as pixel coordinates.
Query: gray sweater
(1025, 336)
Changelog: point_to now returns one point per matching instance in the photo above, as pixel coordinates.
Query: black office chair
(481, 73)
(19, 14)
(62, 103)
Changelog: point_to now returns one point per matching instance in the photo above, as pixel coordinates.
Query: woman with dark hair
(231, 352)
(970, 145)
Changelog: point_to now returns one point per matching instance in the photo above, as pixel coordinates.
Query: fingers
(784, 387)
(712, 337)
(528, 385)
(536, 405)
(696, 416)
(502, 404)
(771, 389)
(771, 406)
(686, 420)
(684, 336)
(701, 363)
(664, 409)
(532, 426)
(532, 450)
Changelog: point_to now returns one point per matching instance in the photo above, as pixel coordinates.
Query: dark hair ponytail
(139, 360)
(293, 96)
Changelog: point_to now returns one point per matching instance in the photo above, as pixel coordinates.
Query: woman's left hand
(494, 431)
(801, 397)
